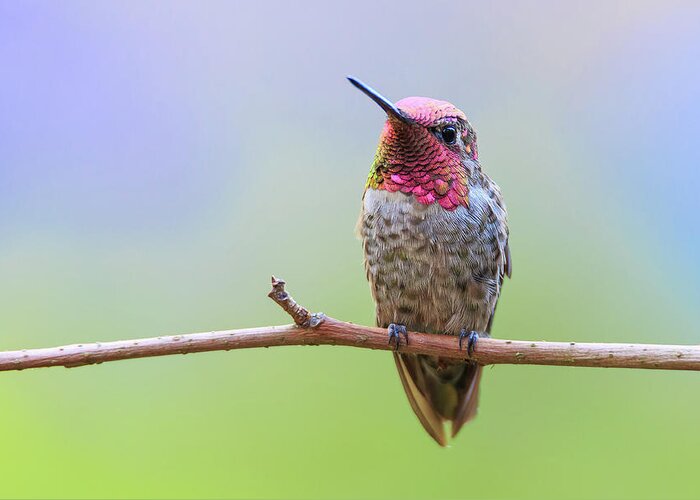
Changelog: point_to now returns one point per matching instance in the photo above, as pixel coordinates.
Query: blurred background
(160, 160)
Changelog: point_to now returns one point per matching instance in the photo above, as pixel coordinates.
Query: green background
(159, 161)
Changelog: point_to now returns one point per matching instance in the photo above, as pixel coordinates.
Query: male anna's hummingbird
(435, 238)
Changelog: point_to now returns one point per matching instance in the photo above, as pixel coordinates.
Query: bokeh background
(159, 160)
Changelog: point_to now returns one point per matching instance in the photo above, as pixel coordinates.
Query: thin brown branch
(318, 329)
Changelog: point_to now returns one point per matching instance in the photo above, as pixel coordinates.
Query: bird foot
(395, 331)
(472, 338)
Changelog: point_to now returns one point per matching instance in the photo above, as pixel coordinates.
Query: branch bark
(318, 329)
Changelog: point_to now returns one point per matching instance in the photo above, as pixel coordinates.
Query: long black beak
(383, 102)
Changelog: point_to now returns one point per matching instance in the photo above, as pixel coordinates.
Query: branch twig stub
(299, 313)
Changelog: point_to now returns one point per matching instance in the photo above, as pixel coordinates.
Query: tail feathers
(470, 398)
(451, 393)
(422, 407)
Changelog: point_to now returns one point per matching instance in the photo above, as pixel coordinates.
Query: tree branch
(318, 329)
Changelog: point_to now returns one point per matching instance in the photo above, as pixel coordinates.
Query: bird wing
(470, 387)
(509, 263)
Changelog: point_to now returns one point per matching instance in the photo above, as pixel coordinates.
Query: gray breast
(431, 269)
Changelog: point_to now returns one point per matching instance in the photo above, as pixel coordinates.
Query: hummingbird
(434, 232)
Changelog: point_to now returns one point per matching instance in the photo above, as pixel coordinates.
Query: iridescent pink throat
(415, 162)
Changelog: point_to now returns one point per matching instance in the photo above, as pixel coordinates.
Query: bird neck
(444, 180)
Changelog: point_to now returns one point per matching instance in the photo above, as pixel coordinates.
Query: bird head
(427, 149)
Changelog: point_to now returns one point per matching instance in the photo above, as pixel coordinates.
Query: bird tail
(439, 390)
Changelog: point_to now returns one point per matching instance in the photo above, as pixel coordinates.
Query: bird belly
(430, 269)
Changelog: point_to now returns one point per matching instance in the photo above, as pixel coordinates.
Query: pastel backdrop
(159, 160)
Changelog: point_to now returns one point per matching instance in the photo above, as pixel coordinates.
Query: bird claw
(395, 331)
(472, 338)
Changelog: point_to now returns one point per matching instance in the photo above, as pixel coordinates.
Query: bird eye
(449, 135)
